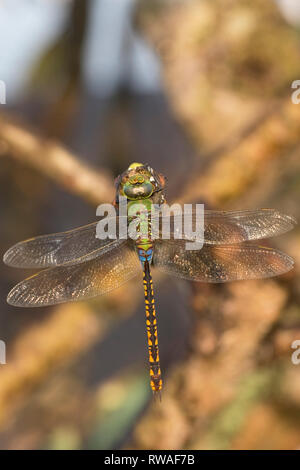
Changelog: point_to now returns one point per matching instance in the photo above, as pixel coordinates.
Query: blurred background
(200, 90)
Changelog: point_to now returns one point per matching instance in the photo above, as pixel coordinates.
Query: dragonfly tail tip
(157, 395)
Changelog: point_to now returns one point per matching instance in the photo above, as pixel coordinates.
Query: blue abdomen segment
(145, 255)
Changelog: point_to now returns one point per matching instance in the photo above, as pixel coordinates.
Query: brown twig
(55, 161)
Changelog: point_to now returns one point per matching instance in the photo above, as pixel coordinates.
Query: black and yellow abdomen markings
(151, 325)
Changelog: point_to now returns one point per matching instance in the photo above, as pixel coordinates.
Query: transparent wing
(58, 248)
(237, 226)
(219, 228)
(89, 278)
(220, 263)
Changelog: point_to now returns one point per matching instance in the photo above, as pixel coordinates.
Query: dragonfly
(76, 265)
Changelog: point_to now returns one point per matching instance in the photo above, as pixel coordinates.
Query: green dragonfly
(80, 265)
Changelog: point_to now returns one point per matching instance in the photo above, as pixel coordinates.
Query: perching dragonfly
(81, 266)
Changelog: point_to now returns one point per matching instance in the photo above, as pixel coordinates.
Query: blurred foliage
(221, 62)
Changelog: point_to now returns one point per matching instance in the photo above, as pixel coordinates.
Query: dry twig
(55, 161)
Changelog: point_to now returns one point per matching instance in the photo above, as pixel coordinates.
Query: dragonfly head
(139, 181)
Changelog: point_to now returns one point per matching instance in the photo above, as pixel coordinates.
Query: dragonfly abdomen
(151, 325)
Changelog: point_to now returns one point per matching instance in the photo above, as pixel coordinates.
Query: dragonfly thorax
(140, 211)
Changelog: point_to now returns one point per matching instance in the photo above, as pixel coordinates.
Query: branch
(54, 161)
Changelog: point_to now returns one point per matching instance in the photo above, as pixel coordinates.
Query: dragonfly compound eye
(138, 190)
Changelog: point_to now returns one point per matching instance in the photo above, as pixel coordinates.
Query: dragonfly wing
(237, 226)
(89, 278)
(220, 263)
(58, 248)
